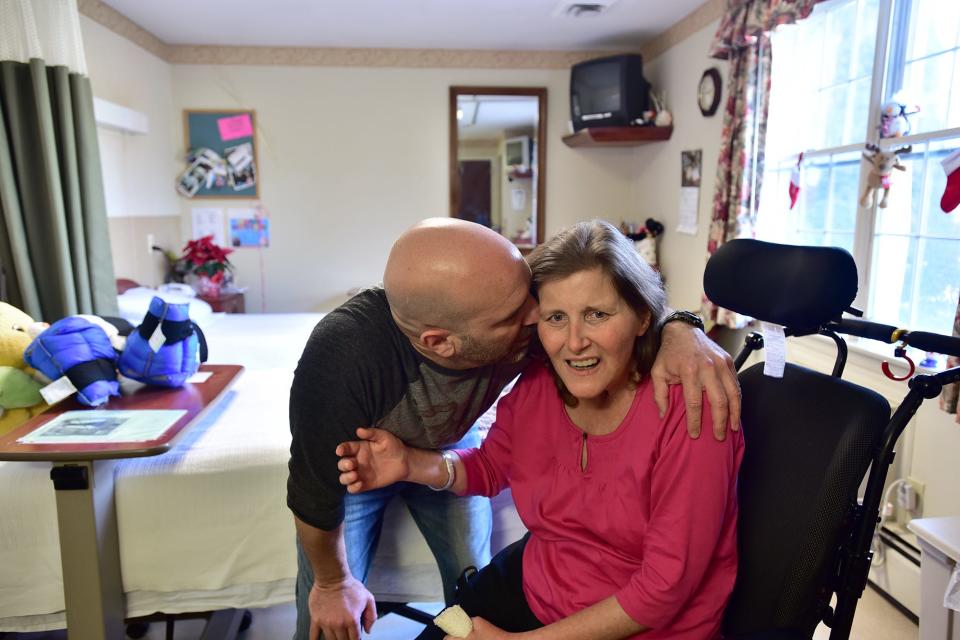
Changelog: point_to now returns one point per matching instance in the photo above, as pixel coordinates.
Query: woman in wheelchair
(632, 524)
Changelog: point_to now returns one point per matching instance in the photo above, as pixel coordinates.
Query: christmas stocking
(951, 195)
(794, 189)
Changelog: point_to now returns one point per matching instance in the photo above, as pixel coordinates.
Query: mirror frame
(538, 92)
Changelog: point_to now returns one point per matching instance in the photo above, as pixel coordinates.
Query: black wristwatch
(684, 316)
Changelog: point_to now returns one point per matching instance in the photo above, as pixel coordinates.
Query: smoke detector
(573, 9)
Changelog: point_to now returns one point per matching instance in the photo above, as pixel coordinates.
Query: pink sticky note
(235, 127)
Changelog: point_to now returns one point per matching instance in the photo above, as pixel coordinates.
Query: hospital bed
(205, 526)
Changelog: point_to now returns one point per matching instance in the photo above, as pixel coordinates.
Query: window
(831, 75)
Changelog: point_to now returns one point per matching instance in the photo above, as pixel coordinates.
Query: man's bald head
(443, 271)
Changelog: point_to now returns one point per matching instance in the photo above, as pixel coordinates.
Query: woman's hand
(483, 630)
(378, 459)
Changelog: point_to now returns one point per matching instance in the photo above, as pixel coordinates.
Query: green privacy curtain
(54, 243)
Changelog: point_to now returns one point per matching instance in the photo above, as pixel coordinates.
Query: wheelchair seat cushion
(80, 350)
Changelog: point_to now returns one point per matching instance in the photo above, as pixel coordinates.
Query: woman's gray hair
(596, 243)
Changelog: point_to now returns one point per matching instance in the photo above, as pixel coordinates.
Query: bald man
(423, 358)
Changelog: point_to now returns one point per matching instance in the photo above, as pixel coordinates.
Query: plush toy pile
(20, 385)
(81, 353)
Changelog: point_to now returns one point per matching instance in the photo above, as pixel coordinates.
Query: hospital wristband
(448, 460)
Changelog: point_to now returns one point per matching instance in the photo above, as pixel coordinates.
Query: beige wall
(349, 157)
(125, 74)
(128, 243)
(656, 191)
(142, 168)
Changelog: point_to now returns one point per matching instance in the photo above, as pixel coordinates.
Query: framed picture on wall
(220, 153)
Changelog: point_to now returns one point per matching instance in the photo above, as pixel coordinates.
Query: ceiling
(487, 117)
(406, 24)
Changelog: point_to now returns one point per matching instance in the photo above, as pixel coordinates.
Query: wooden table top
(195, 399)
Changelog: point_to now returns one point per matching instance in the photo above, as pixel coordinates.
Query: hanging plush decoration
(794, 189)
(884, 162)
(951, 193)
(894, 122)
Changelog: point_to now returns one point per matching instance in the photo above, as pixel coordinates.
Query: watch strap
(684, 316)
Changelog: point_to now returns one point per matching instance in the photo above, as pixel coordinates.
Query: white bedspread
(205, 525)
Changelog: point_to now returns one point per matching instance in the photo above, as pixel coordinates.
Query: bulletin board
(225, 132)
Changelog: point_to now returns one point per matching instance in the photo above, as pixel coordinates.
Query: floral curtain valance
(744, 21)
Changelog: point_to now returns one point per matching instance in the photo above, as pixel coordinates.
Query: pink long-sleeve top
(650, 520)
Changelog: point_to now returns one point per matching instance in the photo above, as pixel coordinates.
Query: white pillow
(134, 303)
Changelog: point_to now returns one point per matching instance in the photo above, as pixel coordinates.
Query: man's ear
(439, 341)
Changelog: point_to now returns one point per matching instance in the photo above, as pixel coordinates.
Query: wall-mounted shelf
(617, 136)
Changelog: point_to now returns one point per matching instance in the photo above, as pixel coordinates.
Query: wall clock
(708, 93)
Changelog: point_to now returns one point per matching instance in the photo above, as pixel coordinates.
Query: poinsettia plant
(204, 257)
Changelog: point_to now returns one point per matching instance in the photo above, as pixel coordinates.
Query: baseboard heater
(895, 573)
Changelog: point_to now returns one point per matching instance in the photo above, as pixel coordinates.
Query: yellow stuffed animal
(20, 385)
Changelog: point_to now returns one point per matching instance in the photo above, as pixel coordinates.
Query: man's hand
(378, 459)
(336, 610)
(687, 356)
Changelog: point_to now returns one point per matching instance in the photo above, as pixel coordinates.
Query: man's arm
(337, 600)
(688, 357)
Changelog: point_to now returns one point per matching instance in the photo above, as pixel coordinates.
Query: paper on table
(100, 426)
(774, 350)
(689, 204)
(199, 377)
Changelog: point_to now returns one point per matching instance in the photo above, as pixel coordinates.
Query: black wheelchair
(811, 439)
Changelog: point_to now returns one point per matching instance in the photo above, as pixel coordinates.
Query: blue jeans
(457, 530)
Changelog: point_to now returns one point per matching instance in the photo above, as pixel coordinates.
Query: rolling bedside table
(231, 302)
(83, 480)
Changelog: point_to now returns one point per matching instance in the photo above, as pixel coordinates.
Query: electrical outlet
(150, 243)
(918, 488)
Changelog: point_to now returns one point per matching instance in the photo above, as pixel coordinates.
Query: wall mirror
(497, 155)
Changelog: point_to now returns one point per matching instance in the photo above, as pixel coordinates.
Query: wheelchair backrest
(809, 440)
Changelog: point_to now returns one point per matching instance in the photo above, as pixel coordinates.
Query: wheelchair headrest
(798, 287)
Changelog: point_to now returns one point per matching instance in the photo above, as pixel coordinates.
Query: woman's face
(588, 331)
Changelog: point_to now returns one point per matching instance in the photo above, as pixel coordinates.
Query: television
(608, 92)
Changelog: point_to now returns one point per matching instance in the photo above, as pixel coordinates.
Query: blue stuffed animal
(80, 350)
(167, 347)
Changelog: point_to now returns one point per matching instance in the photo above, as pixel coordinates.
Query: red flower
(207, 258)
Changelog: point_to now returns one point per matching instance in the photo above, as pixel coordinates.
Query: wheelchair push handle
(866, 329)
(935, 342)
(923, 340)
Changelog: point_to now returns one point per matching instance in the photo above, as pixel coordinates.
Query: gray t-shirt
(359, 370)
